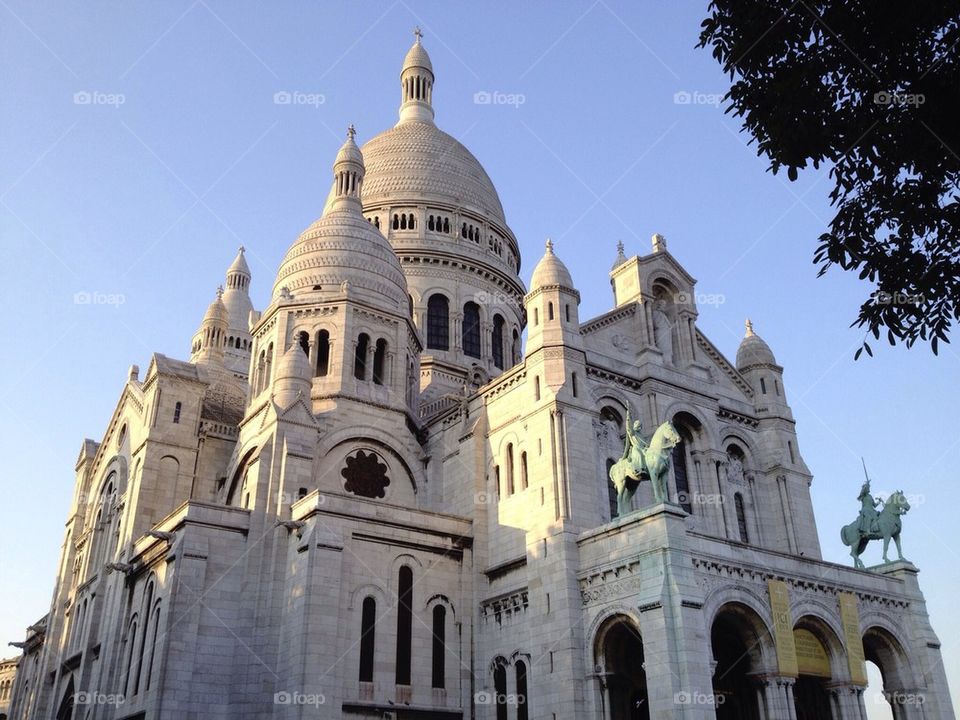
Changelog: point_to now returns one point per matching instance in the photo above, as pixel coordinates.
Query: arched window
(524, 481)
(304, 339)
(268, 367)
(323, 353)
(132, 641)
(446, 225)
(368, 623)
(566, 310)
(438, 322)
(360, 357)
(404, 625)
(536, 317)
(523, 712)
(176, 412)
(496, 478)
(763, 386)
(153, 645)
(430, 225)
(573, 383)
(741, 517)
(396, 222)
(412, 223)
(379, 361)
(536, 387)
(549, 311)
(463, 230)
(500, 690)
(471, 329)
(515, 347)
(680, 475)
(509, 460)
(439, 644)
(612, 493)
(497, 341)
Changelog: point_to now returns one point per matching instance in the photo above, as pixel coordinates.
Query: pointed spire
(749, 325)
(621, 258)
(416, 82)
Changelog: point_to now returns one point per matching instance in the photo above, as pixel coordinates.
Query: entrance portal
(620, 655)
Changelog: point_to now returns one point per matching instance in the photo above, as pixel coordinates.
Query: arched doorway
(619, 658)
(811, 693)
(739, 640)
(882, 649)
(65, 710)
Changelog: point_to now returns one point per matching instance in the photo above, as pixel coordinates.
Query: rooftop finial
(219, 292)
(549, 246)
(241, 249)
(418, 34)
(750, 332)
(351, 132)
(619, 247)
(659, 242)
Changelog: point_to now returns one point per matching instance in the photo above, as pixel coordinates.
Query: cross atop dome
(549, 246)
(351, 132)
(749, 325)
(418, 34)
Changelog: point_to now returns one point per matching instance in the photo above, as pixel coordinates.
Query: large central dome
(417, 162)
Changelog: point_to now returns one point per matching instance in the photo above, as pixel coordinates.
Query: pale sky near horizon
(140, 144)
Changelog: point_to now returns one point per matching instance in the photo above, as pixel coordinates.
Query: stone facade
(369, 501)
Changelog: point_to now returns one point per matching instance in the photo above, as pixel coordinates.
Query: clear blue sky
(147, 199)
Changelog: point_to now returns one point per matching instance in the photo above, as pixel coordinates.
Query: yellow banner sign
(783, 627)
(850, 617)
(812, 658)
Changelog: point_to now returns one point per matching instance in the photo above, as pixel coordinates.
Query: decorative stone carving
(366, 475)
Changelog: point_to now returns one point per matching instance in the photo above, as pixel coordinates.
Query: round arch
(619, 661)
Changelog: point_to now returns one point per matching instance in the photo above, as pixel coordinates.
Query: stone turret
(210, 340)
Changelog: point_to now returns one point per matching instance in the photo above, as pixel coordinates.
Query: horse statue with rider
(643, 460)
(872, 524)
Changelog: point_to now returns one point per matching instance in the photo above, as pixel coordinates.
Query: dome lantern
(416, 82)
(348, 172)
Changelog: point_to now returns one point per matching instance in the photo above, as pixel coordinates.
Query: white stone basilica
(370, 500)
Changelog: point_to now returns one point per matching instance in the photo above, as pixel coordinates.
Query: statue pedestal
(896, 568)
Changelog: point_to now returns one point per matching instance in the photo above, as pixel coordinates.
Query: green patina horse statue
(643, 461)
(887, 525)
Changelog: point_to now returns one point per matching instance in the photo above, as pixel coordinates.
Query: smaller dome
(217, 310)
(239, 265)
(417, 55)
(294, 365)
(621, 258)
(753, 350)
(550, 271)
(349, 152)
